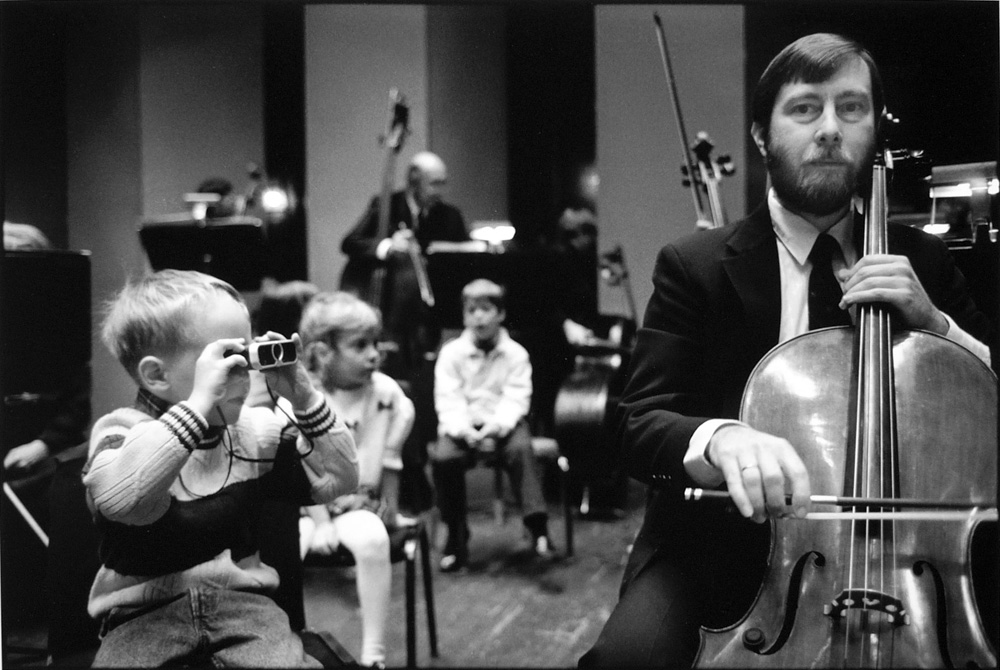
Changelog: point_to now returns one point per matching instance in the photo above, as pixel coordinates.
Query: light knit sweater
(177, 503)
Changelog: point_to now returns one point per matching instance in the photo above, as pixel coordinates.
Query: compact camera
(270, 354)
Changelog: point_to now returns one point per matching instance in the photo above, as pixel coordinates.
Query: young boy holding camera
(340, 335)
(176, 481)
(482, 393)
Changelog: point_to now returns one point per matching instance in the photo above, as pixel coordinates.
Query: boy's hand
(488, 430)
(291, 381)
(212, 371)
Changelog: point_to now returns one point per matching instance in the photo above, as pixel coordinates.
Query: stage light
(494, 233)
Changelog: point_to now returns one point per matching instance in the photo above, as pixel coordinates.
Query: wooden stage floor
(510, 609)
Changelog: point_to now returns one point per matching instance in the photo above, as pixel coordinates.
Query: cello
(899, 427)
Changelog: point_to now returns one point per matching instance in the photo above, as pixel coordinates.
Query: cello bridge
(870, 601)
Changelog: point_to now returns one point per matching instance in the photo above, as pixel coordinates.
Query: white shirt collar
(798, 235)
(412, 204)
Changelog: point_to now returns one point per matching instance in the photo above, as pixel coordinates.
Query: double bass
(588, 397)
(899, 430)
(361, 277)
(379, 282)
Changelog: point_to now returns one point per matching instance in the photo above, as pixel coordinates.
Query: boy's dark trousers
(451, 458)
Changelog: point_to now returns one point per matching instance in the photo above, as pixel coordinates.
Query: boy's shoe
(543, 547)
(456, 550)
(451, 563)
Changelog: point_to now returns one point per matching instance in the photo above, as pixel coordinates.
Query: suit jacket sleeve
(943, 281)
(664, 400)
(362, 240)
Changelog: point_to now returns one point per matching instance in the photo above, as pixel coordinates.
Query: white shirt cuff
(959, 336)
(382, 250)
(695, 463)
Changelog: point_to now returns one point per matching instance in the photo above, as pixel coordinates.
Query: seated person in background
(578, 248)
(340, 333)
(71, 409)
(177, 480)
(482, 393)
(229, 203)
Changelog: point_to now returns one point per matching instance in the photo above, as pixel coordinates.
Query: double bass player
(418, 215)
(722, 299)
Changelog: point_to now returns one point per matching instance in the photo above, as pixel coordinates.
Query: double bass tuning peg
(726, 166)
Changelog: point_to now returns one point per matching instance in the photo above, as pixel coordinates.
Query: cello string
(889, 445)
(855, 466)
(886, 447)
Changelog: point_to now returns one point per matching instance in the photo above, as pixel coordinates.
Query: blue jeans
(203, 626)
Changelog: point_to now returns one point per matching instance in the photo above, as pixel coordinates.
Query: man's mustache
(829, 156)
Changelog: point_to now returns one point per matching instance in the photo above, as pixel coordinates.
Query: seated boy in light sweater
(176, 481)
(482, 394)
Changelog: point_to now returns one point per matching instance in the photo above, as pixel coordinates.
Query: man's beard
(819, 192)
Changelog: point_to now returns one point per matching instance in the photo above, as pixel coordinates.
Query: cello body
(850, 593)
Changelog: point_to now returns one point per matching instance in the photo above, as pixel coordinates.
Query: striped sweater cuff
(187, 424)
(316, 420)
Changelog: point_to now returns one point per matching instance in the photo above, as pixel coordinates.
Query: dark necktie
(824, 289)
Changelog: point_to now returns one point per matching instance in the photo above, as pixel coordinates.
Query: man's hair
(331, 314)
(810, 59)
(484, 289)
(156, 314)
(420, 164)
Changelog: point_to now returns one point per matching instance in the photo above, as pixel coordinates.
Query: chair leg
(499, 507)
(428, 575)
(563, 464)
(411, 628)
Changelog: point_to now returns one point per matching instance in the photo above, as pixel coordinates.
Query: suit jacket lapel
(752, 267)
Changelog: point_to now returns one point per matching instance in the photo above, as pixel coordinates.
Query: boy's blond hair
(155, 314)
(330, 314)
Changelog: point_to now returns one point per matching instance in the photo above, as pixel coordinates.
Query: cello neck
(874, 472)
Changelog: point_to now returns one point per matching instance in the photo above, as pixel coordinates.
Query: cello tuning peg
(686, 183)
(684, 170)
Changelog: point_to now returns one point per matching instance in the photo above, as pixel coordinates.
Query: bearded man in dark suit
(722, 299)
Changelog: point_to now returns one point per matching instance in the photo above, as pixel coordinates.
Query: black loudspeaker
(45, 316)
(45, 354)
(232, 249)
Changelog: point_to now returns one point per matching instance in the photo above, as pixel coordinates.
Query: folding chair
(404, 542)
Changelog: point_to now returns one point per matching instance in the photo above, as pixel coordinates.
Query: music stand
(231, 248)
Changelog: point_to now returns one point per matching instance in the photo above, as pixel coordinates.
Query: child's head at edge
(340, 334)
